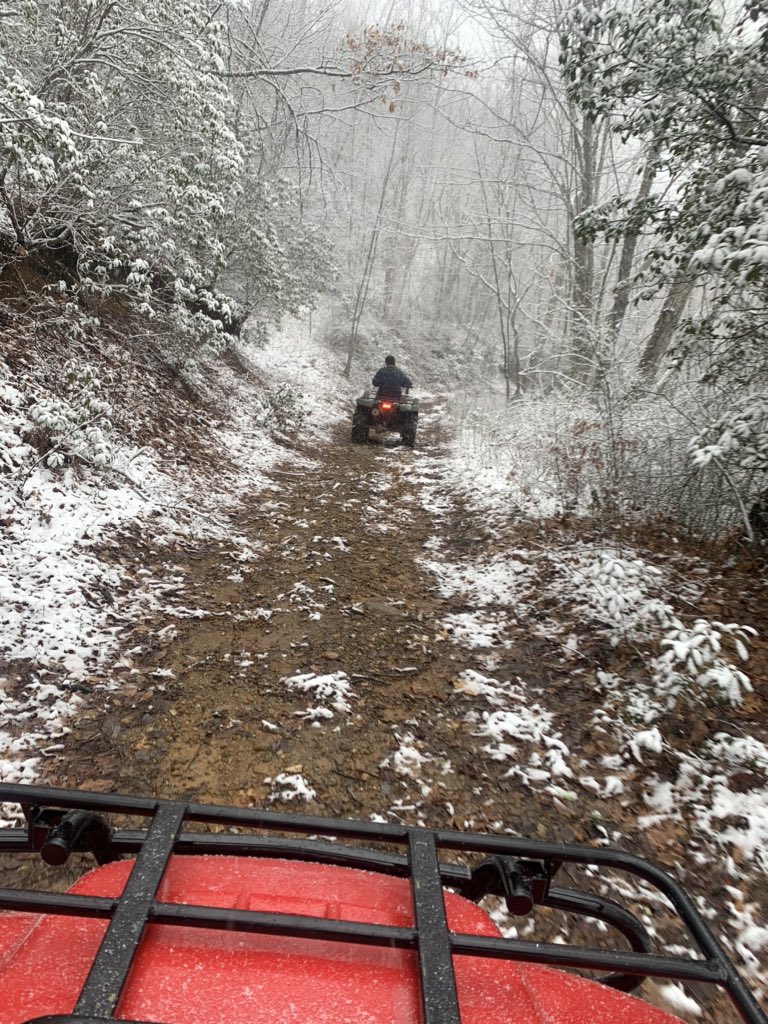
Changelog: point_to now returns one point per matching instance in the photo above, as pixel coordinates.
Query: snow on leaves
(123, 188)
(740, 205)
(619, 593)
(129, 159)
(72, 425)
(687, 79)
(739, 437)
(524, 722)
(696, 655)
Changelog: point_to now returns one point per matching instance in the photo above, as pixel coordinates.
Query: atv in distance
(271, 918)
(385, 415)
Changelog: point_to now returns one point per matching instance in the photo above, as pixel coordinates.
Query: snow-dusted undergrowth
(616, 451)
(623, 595)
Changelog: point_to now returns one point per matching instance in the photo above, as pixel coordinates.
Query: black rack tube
(439, 999)
(106, 978)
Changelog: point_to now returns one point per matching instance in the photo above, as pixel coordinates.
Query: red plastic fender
(185, 975)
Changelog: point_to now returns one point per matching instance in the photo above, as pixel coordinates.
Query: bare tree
(365, 279)
(667, 322)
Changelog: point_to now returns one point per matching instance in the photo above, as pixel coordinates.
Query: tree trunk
(365, 280)
(621, 294)
(758, 519)
(262, 15)
(666, 323)
(583, 275)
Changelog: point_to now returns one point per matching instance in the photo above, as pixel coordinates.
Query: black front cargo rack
(60, 822)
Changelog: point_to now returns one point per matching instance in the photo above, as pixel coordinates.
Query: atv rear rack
(60, 822)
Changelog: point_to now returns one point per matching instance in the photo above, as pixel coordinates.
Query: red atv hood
(188, 975)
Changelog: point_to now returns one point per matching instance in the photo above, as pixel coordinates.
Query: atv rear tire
(360, 427)
(408, 433)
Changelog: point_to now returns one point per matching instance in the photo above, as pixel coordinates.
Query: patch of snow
(289, 787)
(407, 759)
(646, 739)
(473, 629)
(474, 684)
(495, 582)
(679, 1000)
(333, 689)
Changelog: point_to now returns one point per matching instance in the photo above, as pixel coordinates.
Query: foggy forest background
(556, 211)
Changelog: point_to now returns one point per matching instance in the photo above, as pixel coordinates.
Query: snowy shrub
(530, 724)
(256, 332)
(278, 258)
(734, 450)
(280, 410)
(615, 453)
(121, 195)
(739, 435)
(619, 593)
(72, 426)
(695, 656)
(511, 454)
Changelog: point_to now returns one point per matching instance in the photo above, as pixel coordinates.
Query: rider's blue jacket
(390, 380)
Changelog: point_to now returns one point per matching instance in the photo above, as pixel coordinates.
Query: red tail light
(386, 405)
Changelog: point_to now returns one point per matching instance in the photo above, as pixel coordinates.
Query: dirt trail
(337, 589)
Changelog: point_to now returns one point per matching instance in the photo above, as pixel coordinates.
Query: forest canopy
(554, 198)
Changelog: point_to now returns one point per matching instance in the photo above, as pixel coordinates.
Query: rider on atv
(390, 380)
(388, 410)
